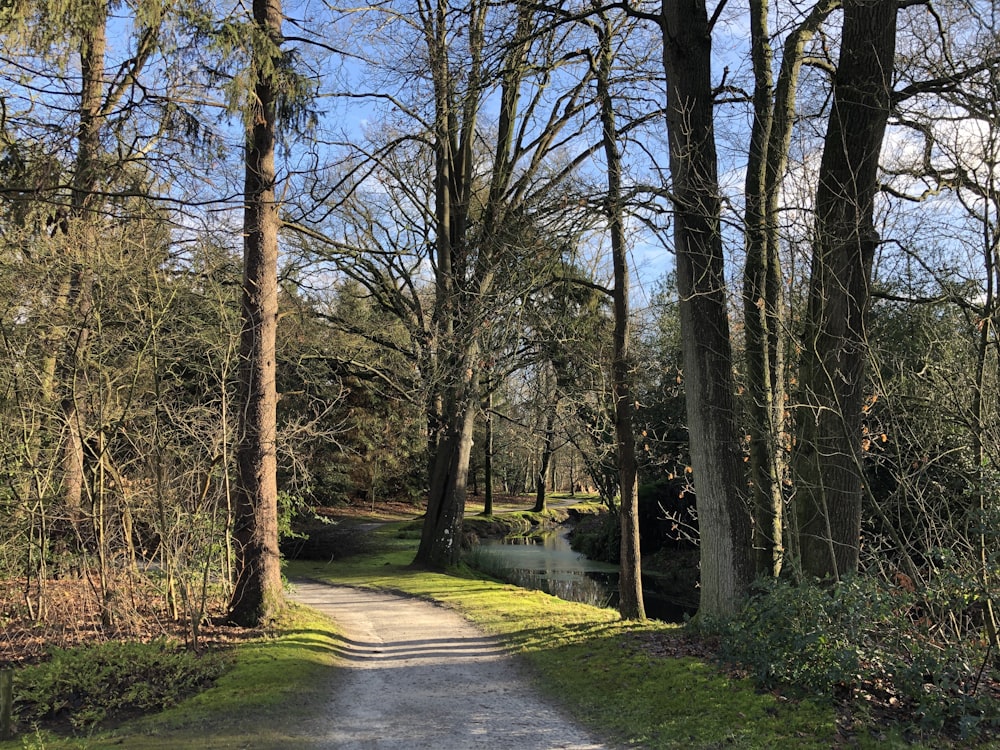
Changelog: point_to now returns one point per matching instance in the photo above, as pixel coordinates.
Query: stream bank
(569, 550)
(572, 554)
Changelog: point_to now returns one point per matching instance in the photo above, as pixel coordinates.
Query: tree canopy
(449, 216)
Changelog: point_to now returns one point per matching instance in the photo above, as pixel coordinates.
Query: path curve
(417, 675)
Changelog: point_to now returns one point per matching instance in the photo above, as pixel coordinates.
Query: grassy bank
(618, 678)
(264, 701)
(636, 685)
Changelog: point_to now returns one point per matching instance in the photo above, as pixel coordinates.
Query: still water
(549, 564)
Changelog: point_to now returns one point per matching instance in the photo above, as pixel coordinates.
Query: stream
(548, 563)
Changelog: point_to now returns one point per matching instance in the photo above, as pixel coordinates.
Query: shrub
(860, 639)
(90, 683)
(598, 537)
(668, 515)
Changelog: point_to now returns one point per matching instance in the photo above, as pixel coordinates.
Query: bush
(860, 639)
(668, 515)
(91, 683)
(598, 537)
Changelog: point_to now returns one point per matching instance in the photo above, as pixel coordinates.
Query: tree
(630, 579)
(774, 110)
(474, 250)
(549, 405)
(488, 455)
(73, 212)
(724, 522)
(456, 257)
(930, 479)
(827, 460)
(660, 388)
(352, 415)
(258, 593)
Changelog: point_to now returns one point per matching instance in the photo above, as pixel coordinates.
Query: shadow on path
(417, 675)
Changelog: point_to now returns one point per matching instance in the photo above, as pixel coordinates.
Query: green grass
(585, 657)
(276, 684)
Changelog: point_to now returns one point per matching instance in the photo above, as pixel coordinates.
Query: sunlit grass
(276, 685)
(591, 661)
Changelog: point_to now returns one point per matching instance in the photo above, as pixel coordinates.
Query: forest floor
(398, 631)
(71, 617)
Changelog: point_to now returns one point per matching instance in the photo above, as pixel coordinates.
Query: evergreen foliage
(89, 684)
(858, 640)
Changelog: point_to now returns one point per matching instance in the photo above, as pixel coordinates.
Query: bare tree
(827, 463)
(774, 110)
(455, 257)
(724, 520)
(630, 581)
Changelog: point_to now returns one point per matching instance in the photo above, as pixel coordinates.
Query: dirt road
(417, 675)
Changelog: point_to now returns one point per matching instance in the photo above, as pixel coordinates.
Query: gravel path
(417, 675)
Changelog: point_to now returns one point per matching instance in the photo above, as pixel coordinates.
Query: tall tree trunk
(257, 594)
(451, 443)
(761, 311)
(77, 288)
(724, 523)
(988, 336)
(546, 459)
(631, 603)
(440, 539)
(464, 275)
(827, 462)
(763, 291)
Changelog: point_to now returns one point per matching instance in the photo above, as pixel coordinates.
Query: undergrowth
(87, 684)
(860, 641)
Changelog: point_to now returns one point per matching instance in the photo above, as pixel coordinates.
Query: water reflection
(551, 565)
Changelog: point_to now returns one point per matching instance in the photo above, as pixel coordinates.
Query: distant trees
(497, 188)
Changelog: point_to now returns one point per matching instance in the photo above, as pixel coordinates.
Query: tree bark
(546, 459)
(724, 520)
(828, 472)
(440, 539)
(77, 288)
(488, 458)
(257, 594)
(631, 603)
(763, 282)
(454, 125)
(761, 313)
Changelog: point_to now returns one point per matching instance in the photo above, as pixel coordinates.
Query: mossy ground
(598, 666)
(594, 663)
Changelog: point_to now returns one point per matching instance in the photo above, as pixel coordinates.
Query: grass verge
(610, 674)
(276, 685)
